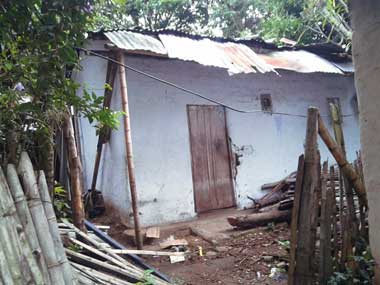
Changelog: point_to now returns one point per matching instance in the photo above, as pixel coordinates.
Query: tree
(38, 41)
(303, 21)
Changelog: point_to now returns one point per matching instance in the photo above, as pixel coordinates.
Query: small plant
(147, 279)
(61, 207)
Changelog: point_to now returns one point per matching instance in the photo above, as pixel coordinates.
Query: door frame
(229, 149)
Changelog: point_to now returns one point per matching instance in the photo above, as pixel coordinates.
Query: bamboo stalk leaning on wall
(129, 151)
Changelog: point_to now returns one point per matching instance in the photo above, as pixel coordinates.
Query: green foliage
(148, 279)
(61, 206)
(38, 49)
(363, 272)
(303, 21)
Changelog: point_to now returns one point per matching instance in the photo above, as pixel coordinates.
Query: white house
(192, 155)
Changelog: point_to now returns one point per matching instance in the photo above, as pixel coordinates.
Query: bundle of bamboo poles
(32, 251)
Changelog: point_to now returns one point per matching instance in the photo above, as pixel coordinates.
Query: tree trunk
(75, 173)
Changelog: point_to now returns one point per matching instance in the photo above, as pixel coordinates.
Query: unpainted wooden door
(210, 156)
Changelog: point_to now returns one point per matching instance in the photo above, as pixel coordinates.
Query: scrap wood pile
(275, 206)
(32, 251)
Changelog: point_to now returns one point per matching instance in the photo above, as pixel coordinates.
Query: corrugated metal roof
(299, 61)
(130, 41)
(233, 56)
(236, 58)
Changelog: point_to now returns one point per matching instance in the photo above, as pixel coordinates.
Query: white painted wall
(271, 143)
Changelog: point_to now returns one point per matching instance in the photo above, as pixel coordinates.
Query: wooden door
(210, 158)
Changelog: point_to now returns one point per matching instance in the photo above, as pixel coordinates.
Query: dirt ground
(233, 257)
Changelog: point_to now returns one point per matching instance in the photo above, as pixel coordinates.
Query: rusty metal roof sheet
(299, 61)
(131, 41)
(235, 57)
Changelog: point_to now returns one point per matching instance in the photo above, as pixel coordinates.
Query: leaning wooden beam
(26, 219)
(75, 173)
(346, 168)
(129, 151)
(37, 211)
(259, 219)
(53, 226)
(305, 240)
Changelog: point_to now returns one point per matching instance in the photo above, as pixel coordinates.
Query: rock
(222, 248)
(211, 253)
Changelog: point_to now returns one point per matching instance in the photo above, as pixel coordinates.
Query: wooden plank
(295, 216)
(327, 202)
(153, 232)
(211, 169)
(173, 242)
(334, 220)
(305, 240)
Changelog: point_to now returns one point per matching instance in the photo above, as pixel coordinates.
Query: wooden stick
(75, 173)
(53, 226)
(346, 168)
(37, 211)
(147, 252)
(334, 220)
(26, 219)
(305, 240)
(325, 261)
(129, 151)
(295, 218)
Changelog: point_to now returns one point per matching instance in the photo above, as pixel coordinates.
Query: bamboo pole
(108, 279)
(346, 168)
(339, 138)
(116, 259)
(26, 219)
(32, 271)
(129, 151)
(28, 179)
(54, 231)
(75, 173)
(5, 273)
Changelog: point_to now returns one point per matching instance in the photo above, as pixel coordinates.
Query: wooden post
(334, 218)
(295, 217)
(327, 203)
(129, 151)
(304, 273)
(75, 173)
(346, 168)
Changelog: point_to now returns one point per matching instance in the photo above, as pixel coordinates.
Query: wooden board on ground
(153, 232)
(147, 252)
(174, 242)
